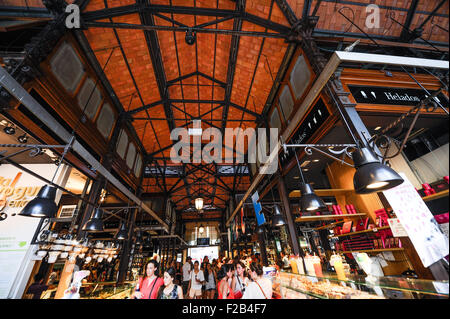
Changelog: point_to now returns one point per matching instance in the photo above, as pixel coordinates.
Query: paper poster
(420, 225)
(397, 228)
(17, 188)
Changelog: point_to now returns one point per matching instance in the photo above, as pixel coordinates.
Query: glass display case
(296, 286)
(106, 290)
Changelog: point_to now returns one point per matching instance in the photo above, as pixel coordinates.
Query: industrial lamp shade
(199, 203)
(95, 224)
(138, 240)
(371, 175)
(43, 205)
(309, 201)
(277, 218)
(122, 234)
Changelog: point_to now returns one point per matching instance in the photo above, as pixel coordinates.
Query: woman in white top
(196, 282)
(259, 287)
(240, 281)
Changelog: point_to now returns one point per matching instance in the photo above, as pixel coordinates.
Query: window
(131, 155)
(105, 120)
(275, 119)
(286, 102)
(138, 166)
(67, 67)
(300, 77)
(94, 100)
(122, 144)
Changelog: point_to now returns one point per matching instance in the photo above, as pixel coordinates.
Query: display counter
(99, 290)
(295, 286)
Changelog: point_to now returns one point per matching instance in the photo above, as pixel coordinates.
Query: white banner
(17, 188)
(420, 225)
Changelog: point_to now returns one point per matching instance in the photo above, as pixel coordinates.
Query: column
(291, 227)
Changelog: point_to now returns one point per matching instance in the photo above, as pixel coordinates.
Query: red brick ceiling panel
(136, 51)
(260, 8)
(23, 3)
(330, 19)
(100, 4)
(278, 16)
(246, 62)
(223, 51)
(430, 32)
(269, 63)
(162, 132)
(297, 6)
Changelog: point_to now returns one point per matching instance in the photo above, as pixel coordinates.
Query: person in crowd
(178, 273)
(223, 287)
(148, 286)
(210, 285)
(259, 287)
(186, 275)
(37, 288)
(196, 281)
(239, 281)
(170, 290)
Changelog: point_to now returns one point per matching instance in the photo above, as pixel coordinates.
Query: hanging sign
(242, 220)
(397, 228)
(313, 121)
(391, 96)
(420, 225)
(258, 209)
(17, 188)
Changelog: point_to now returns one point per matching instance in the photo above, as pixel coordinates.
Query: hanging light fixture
(190, 37)
(277, 218)
(138, 240)
(95, 223)
(10, 130)
(201, 229)
(23, 138)
(122, 234)
(199, 203)
(309, 201)
(43, 205)
(371, 175)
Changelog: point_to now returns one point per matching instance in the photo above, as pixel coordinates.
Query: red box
(347, 227)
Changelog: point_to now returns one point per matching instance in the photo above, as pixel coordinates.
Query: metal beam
(287, 11)
(409, 17)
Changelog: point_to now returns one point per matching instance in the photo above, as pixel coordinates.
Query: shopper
(259, 287)
(240, 280)
(170, 290)
(37, 288)
(223, 287)
(149, 284)
(186, 275)
(210, 286)
(197, 278)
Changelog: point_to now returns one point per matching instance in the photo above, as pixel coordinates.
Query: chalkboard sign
(203, 241)
(313, 121)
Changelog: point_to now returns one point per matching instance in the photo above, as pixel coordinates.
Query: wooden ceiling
(225, 79)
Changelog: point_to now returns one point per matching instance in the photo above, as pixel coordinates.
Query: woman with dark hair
(259, 287)
(210, 286)
(240, 280)
(170, 290)
(148, 286)
(223, 287)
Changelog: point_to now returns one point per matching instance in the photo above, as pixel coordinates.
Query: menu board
(420, 225)
(17, 188)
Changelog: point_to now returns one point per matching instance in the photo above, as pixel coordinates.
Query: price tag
(343, 284)
(312, 279)
(353, 286)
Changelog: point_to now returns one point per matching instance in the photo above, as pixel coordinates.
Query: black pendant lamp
(371, 175)
(43, 205)
(277, 218)
(309, 201)
(122, 234)
(95, 223)
(138, 240)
